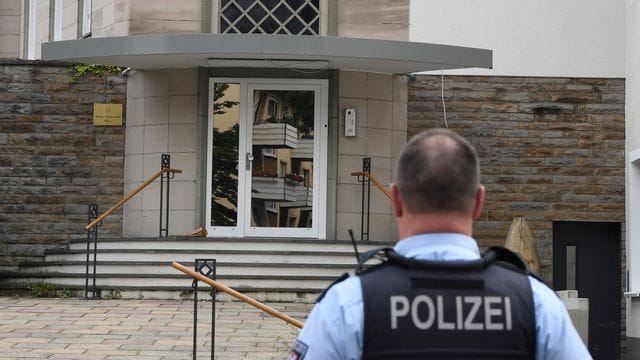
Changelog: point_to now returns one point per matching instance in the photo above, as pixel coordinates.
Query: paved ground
(141, 329)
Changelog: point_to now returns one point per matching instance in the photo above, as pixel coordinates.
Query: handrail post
(366, 190)
(164, 202)
(238, 295)
(204, 267)
(91, 232)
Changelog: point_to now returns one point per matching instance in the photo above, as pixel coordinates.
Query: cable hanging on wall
(444, 106)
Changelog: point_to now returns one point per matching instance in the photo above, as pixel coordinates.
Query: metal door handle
(249, 160)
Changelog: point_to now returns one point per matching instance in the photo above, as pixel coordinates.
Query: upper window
(295, 17)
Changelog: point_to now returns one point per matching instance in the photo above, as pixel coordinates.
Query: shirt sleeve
(557, 338)
(333, 329)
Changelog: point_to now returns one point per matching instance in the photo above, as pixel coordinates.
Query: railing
(95, 221)
(208, 276)
(367, 179)
(207, 268)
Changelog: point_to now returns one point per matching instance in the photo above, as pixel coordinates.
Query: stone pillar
(380, 102)
(10, 11)
(161, 118)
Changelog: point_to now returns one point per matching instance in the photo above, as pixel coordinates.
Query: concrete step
(260, 257)
(206, 244)
(164, 268)
(116, 281)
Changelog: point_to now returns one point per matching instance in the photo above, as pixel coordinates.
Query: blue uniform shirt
(334, 329)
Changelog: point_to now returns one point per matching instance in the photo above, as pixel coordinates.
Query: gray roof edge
(263, 46)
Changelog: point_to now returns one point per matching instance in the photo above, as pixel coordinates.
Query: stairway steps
(270, 269)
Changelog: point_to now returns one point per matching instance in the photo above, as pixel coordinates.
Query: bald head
(438, 171)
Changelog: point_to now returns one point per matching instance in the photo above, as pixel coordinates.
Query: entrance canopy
(261, 50)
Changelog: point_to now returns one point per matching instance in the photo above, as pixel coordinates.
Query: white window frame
(55, 7)
(243, 228)
(31, 29)
(324, 17)
(269, 152)
(85, 18)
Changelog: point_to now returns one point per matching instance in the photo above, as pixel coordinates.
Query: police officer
(439, 298)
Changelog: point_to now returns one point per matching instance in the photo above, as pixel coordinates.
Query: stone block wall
(373, 19)
(109, 18)
(164, 17)
(551, 148)
(53, 161)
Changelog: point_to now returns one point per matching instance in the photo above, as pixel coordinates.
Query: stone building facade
(551, 149)
(53, 161)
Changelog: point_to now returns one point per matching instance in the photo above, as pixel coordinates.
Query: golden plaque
(107, 114)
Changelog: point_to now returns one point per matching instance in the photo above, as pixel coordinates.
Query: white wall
(632, 122)
(575, 38)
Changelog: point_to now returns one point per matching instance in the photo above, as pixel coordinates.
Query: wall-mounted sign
(107, 114)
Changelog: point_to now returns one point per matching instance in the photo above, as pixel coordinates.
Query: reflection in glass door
(224, 155)
(282, 148)
(267, 156)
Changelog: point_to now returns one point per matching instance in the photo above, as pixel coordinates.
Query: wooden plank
(520, 240)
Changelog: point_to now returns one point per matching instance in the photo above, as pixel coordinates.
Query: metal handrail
(130, 195)
(238, 295)
(373, 180)
(92, 227)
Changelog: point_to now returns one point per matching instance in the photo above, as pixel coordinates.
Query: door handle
(249, 158)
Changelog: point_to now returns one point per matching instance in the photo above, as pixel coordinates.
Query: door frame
(247, 86)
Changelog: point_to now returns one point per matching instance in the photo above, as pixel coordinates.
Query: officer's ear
(395, 200)
(477, 209)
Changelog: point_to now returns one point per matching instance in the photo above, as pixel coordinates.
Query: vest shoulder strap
(493, 254)
(505, 255)
(340, 279)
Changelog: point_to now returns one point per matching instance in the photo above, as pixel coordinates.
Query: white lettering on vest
(459, 316)
(492, 311)
(422, 325)
(424, 312)
(443, 325)
(475, 302)
(507, 312)
(396, 312)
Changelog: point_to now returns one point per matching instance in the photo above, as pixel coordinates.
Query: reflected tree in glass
(224, 182)
(301, 105)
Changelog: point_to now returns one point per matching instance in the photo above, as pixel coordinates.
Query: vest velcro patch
(439, 283)
(299, 351)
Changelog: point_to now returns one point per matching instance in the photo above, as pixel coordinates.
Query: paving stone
(47, 330)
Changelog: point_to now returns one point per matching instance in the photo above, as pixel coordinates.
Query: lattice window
(296, 17)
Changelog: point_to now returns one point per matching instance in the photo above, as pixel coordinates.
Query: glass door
(267, 158)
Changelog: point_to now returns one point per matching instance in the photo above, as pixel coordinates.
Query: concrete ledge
(196, 50)
(633, 348)
(578, 309)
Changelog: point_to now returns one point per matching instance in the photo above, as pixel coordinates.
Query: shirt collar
(439, 247)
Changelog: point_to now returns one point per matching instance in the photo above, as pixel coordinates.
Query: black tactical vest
(462, 310)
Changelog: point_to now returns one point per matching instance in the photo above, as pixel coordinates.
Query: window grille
(295, 17)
